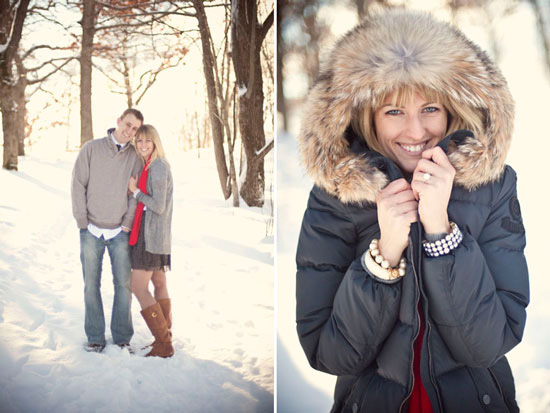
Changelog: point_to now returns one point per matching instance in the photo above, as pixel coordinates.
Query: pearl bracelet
(375, 263)
(444, 245)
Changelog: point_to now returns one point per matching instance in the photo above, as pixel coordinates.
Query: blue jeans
(91, 256)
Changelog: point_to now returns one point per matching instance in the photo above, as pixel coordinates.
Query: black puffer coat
(351, 324)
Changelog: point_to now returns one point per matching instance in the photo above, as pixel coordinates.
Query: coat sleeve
(343, 314)
(478, 294)
(158, 184)
(79, 185)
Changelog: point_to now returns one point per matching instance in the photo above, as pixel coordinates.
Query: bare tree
(541, 9)
(282, 7)
(364, 7)
(298, 38)
(11, 26)
(128, 53)
(489, 14)
(115, 15)
(90, 11)
(33, 64)
(247, 35)
(216, 124)
(34, 75)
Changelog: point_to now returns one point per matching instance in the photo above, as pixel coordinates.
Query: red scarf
(419, 401)
(142, 186)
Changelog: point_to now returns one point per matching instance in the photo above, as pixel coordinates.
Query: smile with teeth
(413, 148)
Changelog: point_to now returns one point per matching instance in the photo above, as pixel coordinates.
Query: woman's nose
(414, 128)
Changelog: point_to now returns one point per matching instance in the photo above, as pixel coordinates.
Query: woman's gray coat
(159, 203)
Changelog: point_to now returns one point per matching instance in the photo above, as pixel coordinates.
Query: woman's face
(405, 132)
(144, 146)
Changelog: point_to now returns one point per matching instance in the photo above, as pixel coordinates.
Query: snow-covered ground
(302, 389)
(221, 285)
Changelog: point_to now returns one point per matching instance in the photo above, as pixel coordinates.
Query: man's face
(126, 128)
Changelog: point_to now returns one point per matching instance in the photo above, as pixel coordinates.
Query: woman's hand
(433, 193)
(132, 185)
(397, 209)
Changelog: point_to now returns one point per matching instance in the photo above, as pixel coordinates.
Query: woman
(151, 238)
(412, 283)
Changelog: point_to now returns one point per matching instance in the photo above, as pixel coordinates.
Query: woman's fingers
(394, 187)
(408, 210)
(438, 156)
(396, 197)
(432, 184)
(435, 162)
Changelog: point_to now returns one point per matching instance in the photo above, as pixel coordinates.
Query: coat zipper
(417, 330)
(431, 369)
(494, 376)
(428, 332)
(351, 391)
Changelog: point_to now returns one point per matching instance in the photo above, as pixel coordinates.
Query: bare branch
(264, 28)
(50, 62)
(104, 73)
(265, 150)
(42, 46)
(57, 68)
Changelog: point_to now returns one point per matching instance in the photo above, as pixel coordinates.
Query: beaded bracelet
(375, 263)
(444, 245)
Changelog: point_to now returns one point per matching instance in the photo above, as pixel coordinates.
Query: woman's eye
(393, 112)
(431, 109)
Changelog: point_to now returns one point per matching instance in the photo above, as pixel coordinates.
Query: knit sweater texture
(99, 188)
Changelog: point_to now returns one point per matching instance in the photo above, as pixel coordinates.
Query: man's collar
(112, 135)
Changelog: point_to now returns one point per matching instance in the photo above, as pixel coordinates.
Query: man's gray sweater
(99, 188)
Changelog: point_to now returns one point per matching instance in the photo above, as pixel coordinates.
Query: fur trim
(385, 51)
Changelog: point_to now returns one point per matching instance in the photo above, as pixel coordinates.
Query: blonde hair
(459, 116)
(149, 132)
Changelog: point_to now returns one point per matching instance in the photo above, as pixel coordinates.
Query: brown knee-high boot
(166, 306)
(154, 317)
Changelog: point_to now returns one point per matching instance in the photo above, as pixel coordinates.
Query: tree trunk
(13, 122)
(281, 102)
(232, 169)
(246, 38)
(11, 27)
(544, 32)
(208, 62)
(88, 32)
(21, 114)
(127, 82)
(9, 122)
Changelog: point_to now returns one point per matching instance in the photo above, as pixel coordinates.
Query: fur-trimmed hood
(385, 51)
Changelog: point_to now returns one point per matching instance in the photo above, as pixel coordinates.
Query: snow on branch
(242, 90)
(265, 150)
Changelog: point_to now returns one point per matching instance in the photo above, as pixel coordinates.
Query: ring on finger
(426, 177)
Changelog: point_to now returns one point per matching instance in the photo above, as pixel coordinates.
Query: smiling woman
(151, 239)
(405, 131)
(404, 258)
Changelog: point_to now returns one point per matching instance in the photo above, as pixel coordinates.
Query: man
(104, 213)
